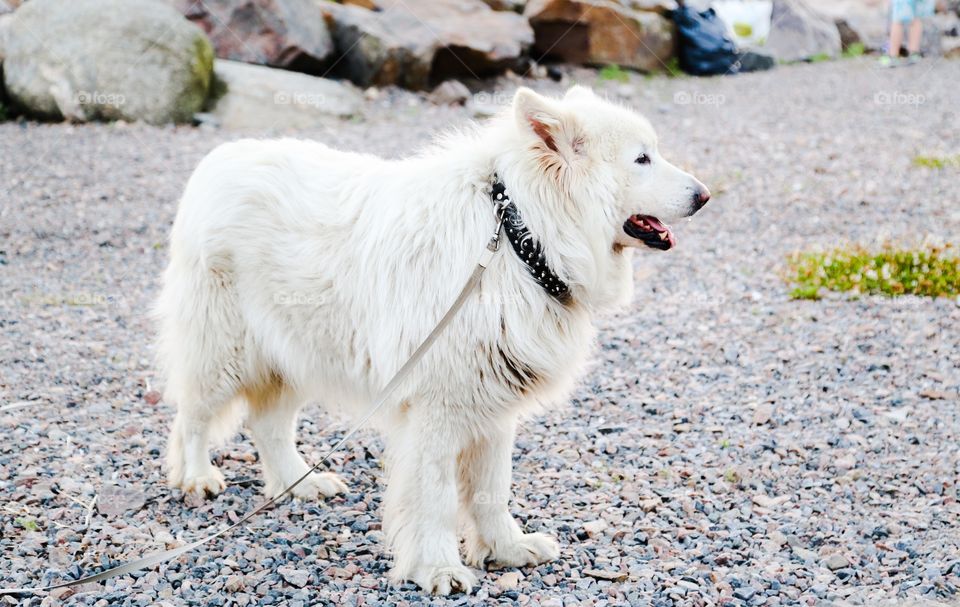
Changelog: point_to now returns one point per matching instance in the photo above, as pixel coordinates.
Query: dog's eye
(642, 159)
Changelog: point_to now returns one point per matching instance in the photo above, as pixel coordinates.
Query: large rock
(106, 59)
(951, 48)
(798, 32)
(4, 33)
(290, 34)
(264, 98)
(858, 21)
(601, 32)
(507, 5)
(416, 45)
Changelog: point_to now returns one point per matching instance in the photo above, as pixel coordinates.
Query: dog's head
(600, 181)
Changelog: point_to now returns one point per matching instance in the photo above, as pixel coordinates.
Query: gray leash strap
(166, 555)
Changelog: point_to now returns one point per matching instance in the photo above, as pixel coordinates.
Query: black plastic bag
(704, 48)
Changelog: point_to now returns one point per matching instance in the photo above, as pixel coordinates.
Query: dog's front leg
(420, 515)
(493, 536)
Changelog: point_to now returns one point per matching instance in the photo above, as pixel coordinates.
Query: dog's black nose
(700, 198)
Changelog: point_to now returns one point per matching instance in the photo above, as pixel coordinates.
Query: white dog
(299, 273)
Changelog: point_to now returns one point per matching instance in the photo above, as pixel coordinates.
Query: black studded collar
(528, 248)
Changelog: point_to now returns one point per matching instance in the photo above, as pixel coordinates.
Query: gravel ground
(729, 446)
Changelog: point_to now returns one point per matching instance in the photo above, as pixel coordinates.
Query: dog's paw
(529, 549)
(443, 580)
(315, 486)
(208, 484)
(326, 484)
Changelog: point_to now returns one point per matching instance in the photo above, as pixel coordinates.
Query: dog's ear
(548, 121)
(580, 92)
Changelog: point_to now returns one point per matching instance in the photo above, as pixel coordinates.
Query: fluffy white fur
(303, 273)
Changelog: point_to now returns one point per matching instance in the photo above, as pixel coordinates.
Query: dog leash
(156, 558)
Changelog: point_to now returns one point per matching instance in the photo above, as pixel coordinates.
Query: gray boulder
(4, 32)
(106, 59)
(798, 32)
(858, 21)
(290, 34)
(415, 45)
(264, 98)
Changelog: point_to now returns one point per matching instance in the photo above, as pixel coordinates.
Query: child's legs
(915, 35)
(896, 38)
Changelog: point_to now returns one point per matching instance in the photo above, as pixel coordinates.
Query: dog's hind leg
(492, 534)
(201, 351)
(188, 457)
(273, 424)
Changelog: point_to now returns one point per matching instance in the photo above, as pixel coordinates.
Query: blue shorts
(908, 10)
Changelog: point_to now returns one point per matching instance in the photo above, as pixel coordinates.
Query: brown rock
(601, 32)
(234, 583)
(416, 45)
(289, 34)
(370, 5)
(509, 580)
(115, 501)
(613, 576)
(506, 5)
(951, 48)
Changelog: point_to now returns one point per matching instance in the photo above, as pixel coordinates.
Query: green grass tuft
(928, 272)
(819, 58)
(857, 49)
(614, 72)
(673, 67)
(936, 162)
(27, 523)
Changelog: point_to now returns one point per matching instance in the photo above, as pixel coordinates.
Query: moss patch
(673, 68)
(195, 94)
(857, 49)
(614, 72)
(936, 162)
(744, 30)
(928, 272)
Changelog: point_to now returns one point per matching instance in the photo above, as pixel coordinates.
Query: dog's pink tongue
(654, 223)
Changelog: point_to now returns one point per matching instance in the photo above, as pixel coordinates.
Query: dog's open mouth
(650, 231)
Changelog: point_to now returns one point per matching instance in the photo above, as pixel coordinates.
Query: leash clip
(501, 211)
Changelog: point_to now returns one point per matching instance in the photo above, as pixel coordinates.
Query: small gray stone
(836, 561)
